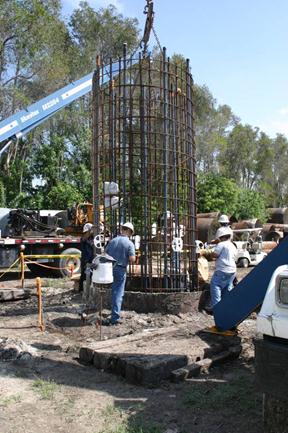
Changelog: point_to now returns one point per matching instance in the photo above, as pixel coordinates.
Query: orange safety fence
(26, 259)
(40, 304)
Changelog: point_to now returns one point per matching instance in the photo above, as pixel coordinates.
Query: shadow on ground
(224, 401)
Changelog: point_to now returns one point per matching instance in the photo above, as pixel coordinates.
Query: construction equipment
(271, 351)
(19, 124)
(25, 231)
(249, 247)
(250, 292)
(44, 232)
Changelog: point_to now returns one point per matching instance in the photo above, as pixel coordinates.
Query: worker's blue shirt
(121, 248)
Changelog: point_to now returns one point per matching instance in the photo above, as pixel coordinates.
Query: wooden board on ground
(147, 358)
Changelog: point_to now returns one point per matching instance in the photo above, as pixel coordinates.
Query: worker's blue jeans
(118, 287)
(220, 284)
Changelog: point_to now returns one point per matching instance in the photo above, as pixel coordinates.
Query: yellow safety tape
(10, 267)
(51, 256)
(46, 266)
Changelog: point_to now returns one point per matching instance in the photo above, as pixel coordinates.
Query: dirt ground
(48, 390)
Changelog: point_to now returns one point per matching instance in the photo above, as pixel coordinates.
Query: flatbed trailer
(11, 247)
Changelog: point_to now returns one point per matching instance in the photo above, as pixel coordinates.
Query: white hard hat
(223, 231)
(223, 219)
(87, 227)
(128, 225)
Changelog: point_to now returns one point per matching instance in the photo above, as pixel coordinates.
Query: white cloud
(283, 111)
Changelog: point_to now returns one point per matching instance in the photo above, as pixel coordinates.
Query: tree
(245, 155)
(212, 124)
(62, 196)
(251, 204)
(102, 33)
(2, 195)
(216, 193)
(278, 175)
(33, 46)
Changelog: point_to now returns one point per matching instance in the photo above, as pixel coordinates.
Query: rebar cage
(143, 166)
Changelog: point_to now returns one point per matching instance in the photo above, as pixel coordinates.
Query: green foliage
(251, 204)
(102, 33)
(11, 399)
(62, 196)
(212, 124)
(2, 195)
(216, 193)
(240, 157)
(45, 388)
(239, 395)
(116, 421)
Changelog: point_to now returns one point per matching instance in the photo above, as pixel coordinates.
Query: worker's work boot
(219, 331)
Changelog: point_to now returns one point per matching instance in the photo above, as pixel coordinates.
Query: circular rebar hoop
(143, 141)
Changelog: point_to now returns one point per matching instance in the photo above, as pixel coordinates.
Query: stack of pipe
(247, 224)
(207, 225)
(278, 215)
(277, 225)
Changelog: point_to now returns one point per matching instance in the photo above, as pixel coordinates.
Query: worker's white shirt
(225, 261)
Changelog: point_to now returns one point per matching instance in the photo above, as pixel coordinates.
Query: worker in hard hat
(223, 221)
(87, 251)
(225, 266)
(122, 250)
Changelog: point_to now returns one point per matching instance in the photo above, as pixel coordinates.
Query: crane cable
(157, 39)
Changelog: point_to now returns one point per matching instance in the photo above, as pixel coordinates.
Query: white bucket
(103, 274)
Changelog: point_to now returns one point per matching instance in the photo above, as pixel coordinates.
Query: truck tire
(65, 263)
(243, 263)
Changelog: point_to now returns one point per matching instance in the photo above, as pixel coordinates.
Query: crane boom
(25, 120)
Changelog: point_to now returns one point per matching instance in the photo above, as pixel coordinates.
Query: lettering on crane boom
(29, 116)
(50, 104)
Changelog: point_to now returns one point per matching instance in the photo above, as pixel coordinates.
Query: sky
(238, 48)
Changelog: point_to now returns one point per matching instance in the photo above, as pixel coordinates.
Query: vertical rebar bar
(143, 153)
(124, 136)
(95, 142)
(192, 176)
(165, 139)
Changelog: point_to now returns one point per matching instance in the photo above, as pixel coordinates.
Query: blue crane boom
(25, 120)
